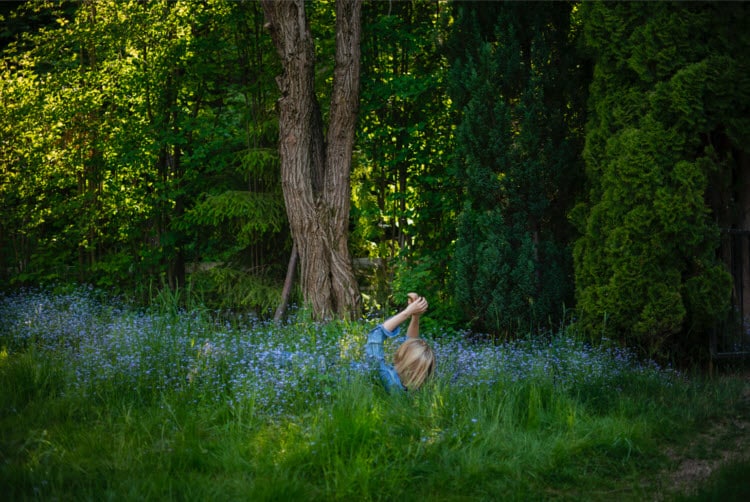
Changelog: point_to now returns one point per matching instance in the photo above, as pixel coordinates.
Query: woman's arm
(413, 311)
(413, 330)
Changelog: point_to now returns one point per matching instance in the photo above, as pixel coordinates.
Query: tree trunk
(287, 291)
(315, 173)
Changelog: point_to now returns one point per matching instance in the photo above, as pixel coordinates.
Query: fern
(253, 211)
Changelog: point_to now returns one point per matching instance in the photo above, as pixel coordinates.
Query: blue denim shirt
(374, 351)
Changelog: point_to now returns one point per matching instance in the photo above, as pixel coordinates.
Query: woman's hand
(417, 305)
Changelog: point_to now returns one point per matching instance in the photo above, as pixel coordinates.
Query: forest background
(521, 164)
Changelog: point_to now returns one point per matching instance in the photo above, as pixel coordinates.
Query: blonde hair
(414, 362)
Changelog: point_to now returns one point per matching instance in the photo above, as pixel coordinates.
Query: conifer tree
(669, 107)
(515, 83)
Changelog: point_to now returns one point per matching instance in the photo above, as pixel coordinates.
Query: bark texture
(315, 172)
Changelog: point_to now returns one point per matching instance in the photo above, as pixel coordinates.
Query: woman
(414, 360)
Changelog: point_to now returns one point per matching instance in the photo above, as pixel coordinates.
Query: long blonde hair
(414, 362)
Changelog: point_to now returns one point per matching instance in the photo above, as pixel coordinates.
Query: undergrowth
(101, 401)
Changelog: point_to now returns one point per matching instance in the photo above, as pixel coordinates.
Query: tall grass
(101, 401)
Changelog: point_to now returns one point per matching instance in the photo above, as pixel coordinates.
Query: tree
(668, 129)
(518, 85)
(235, 227)
(137, 137)
(316, 171)
(60, 90)
(405, 196)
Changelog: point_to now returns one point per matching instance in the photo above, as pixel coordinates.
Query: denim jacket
(374, 352)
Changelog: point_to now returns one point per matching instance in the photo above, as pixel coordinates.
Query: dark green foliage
(138, 141)
(405, 200)
(137, 138)
(669, 106)
(517, 84)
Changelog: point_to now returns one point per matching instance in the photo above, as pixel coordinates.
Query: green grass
(531, 438)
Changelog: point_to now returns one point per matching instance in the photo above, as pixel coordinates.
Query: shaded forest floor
(723, 444)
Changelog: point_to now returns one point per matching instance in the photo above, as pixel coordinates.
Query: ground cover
(102, 400)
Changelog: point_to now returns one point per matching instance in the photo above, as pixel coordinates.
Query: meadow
(100, 400)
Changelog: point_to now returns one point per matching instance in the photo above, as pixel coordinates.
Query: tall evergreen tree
(669, 107)
(518, 85)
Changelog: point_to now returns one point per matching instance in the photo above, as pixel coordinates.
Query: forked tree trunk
(315, 173)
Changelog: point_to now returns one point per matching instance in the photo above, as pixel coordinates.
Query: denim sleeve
(376, 355)
(375, 339)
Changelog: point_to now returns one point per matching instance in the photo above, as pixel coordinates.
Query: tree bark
(315, 173)
(287, 291)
